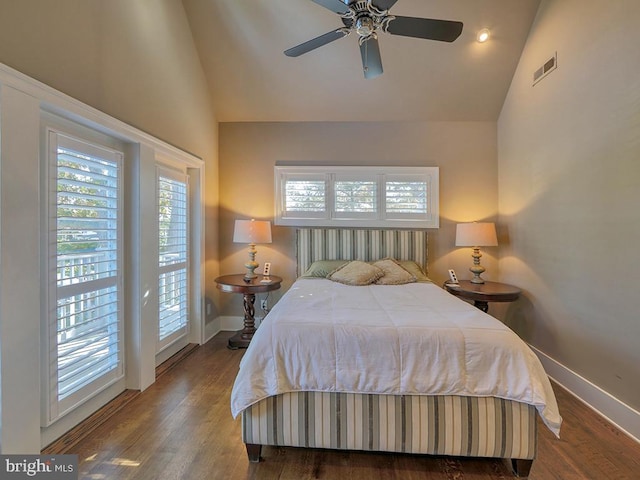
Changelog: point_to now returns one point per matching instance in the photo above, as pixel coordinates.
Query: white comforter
(383, 339)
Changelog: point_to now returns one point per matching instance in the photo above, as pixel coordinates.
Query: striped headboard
(367, 245)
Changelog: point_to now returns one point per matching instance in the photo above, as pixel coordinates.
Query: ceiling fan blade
(384, 4)
(430, 29)
(316, 42)
(336, 6)
(371, 61)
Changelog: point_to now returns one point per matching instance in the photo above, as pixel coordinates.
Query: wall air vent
(549, 66)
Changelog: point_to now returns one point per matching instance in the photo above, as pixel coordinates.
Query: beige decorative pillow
(322, 268)
(356, 273)
(394, 274)
(414, 269)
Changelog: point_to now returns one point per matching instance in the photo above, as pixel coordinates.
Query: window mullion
(382, 206)
(331, 195)
(93, 285)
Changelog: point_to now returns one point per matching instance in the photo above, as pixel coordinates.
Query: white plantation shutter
(85, 275)
(303, 195)
(407, 196)
(173, 256)
(355, 197)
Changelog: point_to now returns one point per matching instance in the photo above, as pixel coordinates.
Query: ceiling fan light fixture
(483, 35)
(365, 26)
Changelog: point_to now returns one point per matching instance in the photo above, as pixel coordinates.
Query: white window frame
(164, 343)
(56, 407)
(378, 219)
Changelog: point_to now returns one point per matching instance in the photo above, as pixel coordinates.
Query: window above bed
(381, 197)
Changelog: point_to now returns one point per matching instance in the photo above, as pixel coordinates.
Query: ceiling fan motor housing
(366, 19)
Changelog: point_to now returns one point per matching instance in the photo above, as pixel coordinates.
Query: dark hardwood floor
(181, 428)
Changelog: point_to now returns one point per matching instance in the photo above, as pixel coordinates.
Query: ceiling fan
(366, 18)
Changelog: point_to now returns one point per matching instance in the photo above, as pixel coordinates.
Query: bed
(387, 365)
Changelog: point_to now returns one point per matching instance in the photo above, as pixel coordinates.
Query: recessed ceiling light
(483, 35)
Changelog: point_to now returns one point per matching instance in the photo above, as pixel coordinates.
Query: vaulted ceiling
(241, 44)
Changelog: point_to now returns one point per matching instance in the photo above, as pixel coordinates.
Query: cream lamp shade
(251, 232)
(476, 235)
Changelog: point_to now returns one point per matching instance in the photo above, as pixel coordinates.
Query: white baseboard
(618, 413)
(233, 323)
(211, 329)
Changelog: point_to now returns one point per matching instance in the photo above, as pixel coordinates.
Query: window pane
(355, 196)
(87, 338)
(172, 209)
(87, 217)
(305, 196)
(406, 197)
(173, 302)
(87, 268)
(173, 245)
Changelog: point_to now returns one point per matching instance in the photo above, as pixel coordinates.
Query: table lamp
(476, 235)
(251, 232)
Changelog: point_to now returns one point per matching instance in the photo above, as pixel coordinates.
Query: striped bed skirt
(437, 425)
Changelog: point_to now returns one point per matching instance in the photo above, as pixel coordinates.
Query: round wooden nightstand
(237, 284)
(482, 293)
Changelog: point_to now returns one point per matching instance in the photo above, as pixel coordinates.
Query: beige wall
(134, 60)
(569, 179)
(465, 152)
